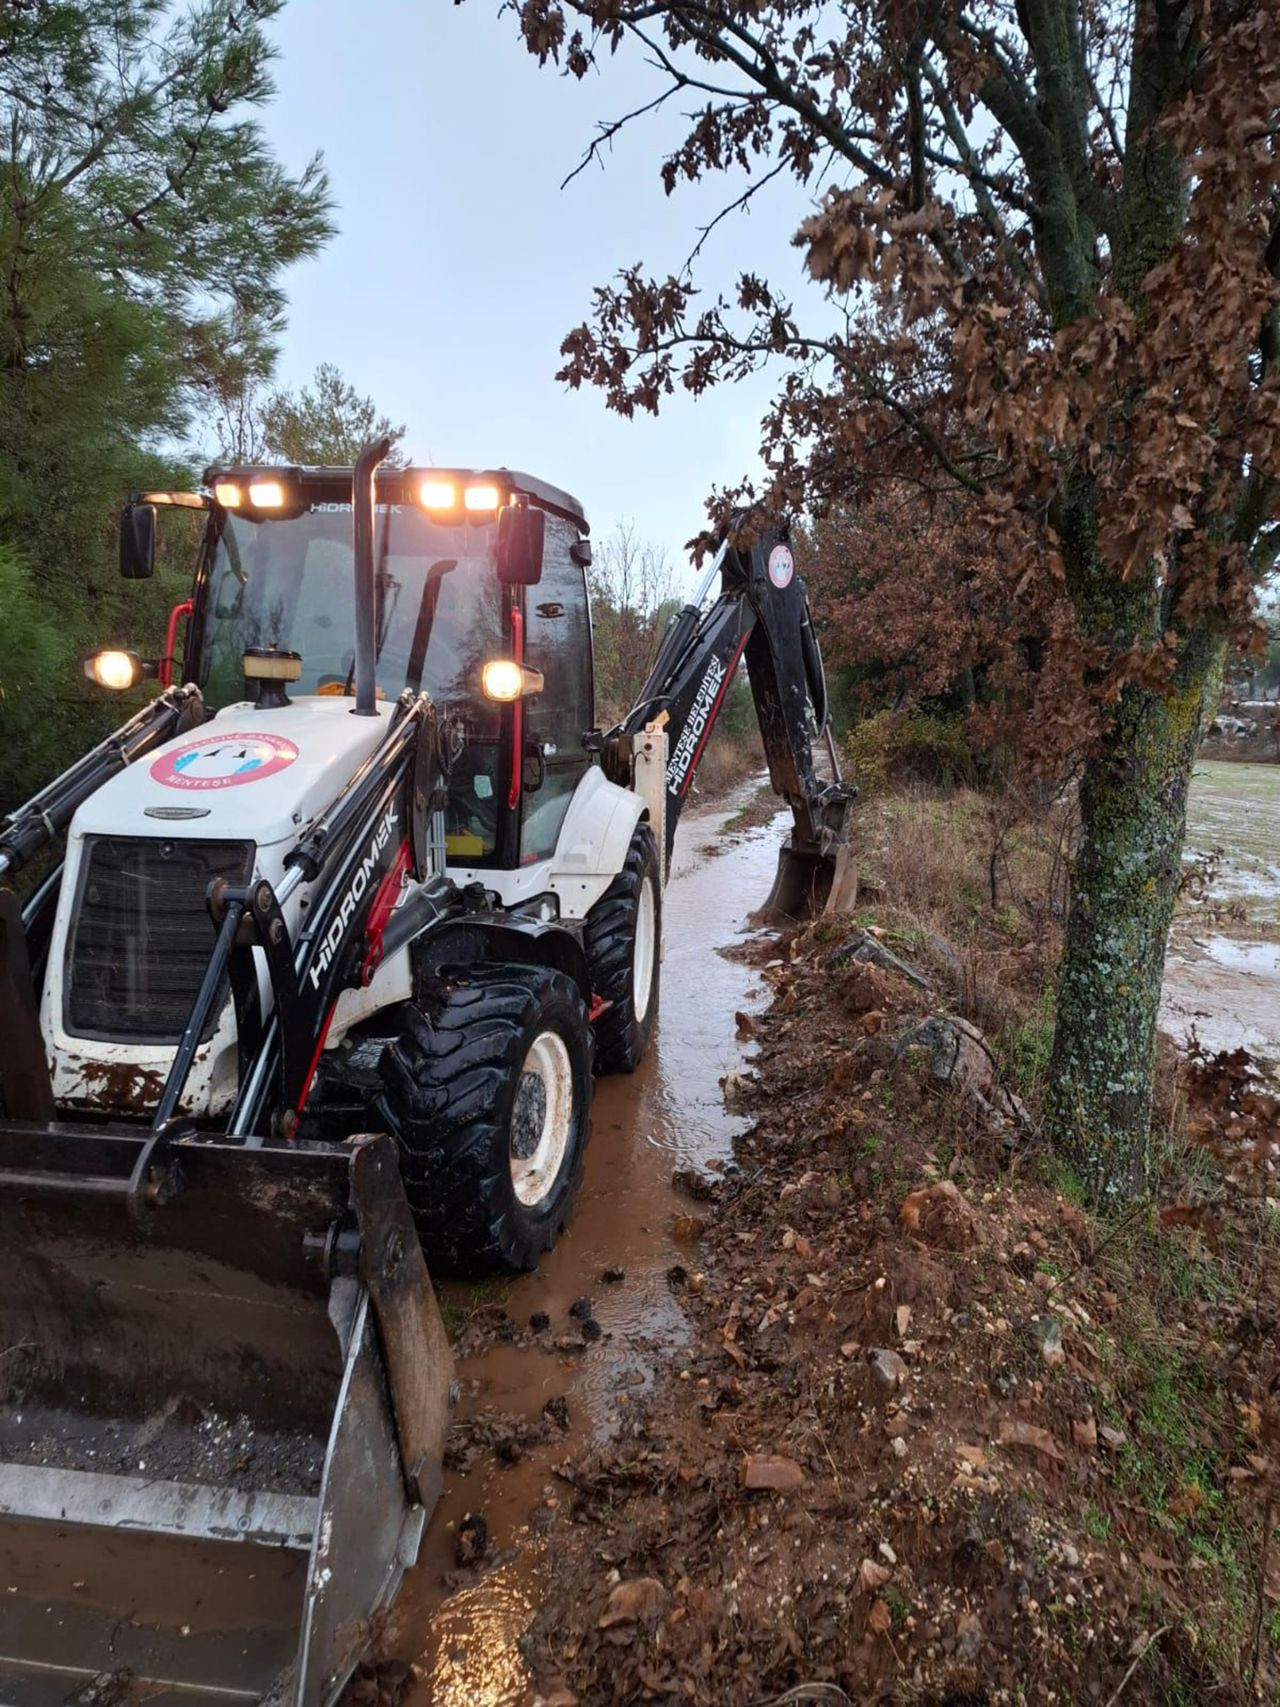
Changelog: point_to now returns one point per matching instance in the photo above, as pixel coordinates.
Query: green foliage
(144, 225)
(895, 747)
(35, 654)
(327, 423)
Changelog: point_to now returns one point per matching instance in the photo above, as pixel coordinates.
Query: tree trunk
(1133, 804)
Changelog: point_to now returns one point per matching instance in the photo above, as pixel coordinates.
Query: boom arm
(762, 614)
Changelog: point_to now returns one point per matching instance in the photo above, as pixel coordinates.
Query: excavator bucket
(223, 1396)
(808, 884)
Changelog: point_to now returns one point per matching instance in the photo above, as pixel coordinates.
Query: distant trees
(632, 586)
(144, 228)
(328, 421)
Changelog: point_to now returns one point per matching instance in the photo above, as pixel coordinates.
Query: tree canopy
(145, 225)
(1046, 240)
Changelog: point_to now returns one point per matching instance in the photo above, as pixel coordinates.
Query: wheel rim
(645, 956)
(541, 1118)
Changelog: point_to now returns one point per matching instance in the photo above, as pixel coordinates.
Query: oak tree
(1045, 245)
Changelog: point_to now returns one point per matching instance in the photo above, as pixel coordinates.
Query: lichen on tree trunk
(1133, 805)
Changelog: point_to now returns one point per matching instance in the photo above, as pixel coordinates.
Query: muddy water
(463, 1635)
(1223, 979)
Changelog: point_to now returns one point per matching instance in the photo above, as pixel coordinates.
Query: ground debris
(770, 1470)
(633, 1602)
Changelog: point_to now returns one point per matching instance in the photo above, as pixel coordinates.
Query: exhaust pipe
(362, 507)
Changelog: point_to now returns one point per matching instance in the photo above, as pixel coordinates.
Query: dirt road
(463, 1636)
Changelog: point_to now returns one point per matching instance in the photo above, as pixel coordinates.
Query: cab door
(557, 623)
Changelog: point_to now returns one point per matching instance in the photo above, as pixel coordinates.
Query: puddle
(1228, 987)
(668, 1115)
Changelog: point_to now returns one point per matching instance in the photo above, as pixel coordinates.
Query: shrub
(908, 746)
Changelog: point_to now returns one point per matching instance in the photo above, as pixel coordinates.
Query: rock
(1112, 1437)
(969, 1637)
(770, 1470)
(863, 948)
(591, 1329)
(902, 1320)
(613, 1276)
(887, 1553)
(633, 1602)
(888, 1370)
(1016, 1433)
(473, 1539)
(539, 1321)
(957, 1057)
(688, 1226)
(1070, 1556)
(581, 1309)
(872, 1576)
(1085, 1433)
(1048, 1332)
(898, 1446)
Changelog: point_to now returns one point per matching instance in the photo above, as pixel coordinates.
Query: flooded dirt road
(460, 1629)
(1223, 972)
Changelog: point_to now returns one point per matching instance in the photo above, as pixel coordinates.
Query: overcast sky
(460, 263)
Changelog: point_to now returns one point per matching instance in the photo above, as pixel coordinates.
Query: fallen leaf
(770, 1470)
(688, 1226)
(974, 1456)
(1154, 1562)
(642, 1597)
(879, 1620)
(872, 1576)
(746, 1026)
(1085, 1433)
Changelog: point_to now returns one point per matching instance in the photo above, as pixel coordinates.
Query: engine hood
(245, 775)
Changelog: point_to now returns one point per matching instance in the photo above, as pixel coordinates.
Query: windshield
(290, 583)
(439, 617)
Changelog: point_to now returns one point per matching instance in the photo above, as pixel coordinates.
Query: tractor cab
(479, 599)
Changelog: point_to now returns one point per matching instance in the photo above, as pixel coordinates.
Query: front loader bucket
(223, 1397)
(809, 883)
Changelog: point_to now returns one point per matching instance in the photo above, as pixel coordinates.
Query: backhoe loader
(324, 948)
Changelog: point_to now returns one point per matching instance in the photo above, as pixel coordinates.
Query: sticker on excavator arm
(224, 761)
(782, 566)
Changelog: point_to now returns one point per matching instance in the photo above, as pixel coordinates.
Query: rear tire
(488, 1088)
(623, 940)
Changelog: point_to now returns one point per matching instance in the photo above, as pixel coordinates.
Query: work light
(115, 670)
(505, 680)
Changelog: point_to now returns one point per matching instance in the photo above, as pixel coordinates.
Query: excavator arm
(761, 615)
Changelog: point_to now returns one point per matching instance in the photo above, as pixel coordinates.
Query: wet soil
(1223, 972)
(532, 1397)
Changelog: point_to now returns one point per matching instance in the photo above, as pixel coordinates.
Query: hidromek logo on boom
(351, 900)
(708, 688)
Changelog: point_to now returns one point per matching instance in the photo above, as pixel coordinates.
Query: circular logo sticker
(781, 566)
(224, 761)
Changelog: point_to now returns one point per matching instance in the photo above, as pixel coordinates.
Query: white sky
(460, 264)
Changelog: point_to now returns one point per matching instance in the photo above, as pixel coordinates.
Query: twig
(809, 1692)
(1147, 1647)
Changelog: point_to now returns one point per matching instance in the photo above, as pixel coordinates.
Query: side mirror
(521, 533)
(138, 542)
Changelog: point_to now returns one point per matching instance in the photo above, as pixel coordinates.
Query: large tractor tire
(623, 940)
(488, 1088)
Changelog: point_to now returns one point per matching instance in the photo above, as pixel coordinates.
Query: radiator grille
(141, 936)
